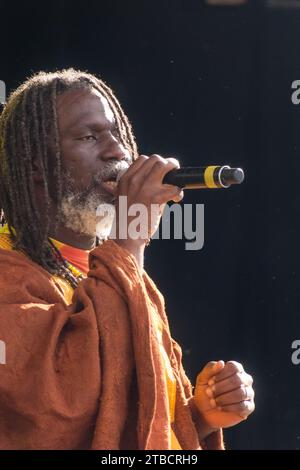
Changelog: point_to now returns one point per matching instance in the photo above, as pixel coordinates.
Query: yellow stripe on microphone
(209, 176)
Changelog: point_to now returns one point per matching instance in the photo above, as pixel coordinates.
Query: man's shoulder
(15, 260)
(19, 276)
(15, 265)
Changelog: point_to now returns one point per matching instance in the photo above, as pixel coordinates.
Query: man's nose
(115, 150)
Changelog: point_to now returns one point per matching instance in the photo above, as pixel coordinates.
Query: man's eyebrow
(93, 124)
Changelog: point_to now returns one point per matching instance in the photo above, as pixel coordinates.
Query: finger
(209, 371)
(236, 396)
(243, 409)
(174, 161)
(162, 208)
(230, 368)
(133, 168)
(229, 384)
(176, 164)
(123, 181)
(161, 168)
(179, 197)
(136, 178)
(164, 195)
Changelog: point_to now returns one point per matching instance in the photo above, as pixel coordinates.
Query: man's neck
(77, 240)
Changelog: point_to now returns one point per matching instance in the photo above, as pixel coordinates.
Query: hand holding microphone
(142, 185)
(153, 181)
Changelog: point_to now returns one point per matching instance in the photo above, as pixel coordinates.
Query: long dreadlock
(29, 129)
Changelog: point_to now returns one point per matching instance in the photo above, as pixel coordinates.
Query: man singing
(90, 362)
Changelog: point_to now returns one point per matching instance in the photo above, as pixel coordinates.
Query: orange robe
(90, 374)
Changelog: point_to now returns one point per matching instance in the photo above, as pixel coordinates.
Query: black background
(211, 85)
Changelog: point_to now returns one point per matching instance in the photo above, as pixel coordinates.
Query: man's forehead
(83, 104)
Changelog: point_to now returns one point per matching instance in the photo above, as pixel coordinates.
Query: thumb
(212, 368)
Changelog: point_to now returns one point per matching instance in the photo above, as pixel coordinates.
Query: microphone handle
(204, 177)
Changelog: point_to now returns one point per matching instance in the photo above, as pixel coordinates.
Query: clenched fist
(224, 394)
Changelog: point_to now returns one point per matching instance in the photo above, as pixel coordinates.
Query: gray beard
(78, 210)
(81, 217)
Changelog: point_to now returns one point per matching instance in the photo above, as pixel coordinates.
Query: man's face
(91, 154)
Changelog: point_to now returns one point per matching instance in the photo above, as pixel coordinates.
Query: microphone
(204, 177)
(201, 177)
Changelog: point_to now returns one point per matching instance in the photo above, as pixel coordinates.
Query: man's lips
(110, 183)
(110, 186)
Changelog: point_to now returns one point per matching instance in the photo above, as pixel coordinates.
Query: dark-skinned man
(90, 362)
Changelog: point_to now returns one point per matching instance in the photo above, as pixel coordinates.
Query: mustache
(111, 171)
